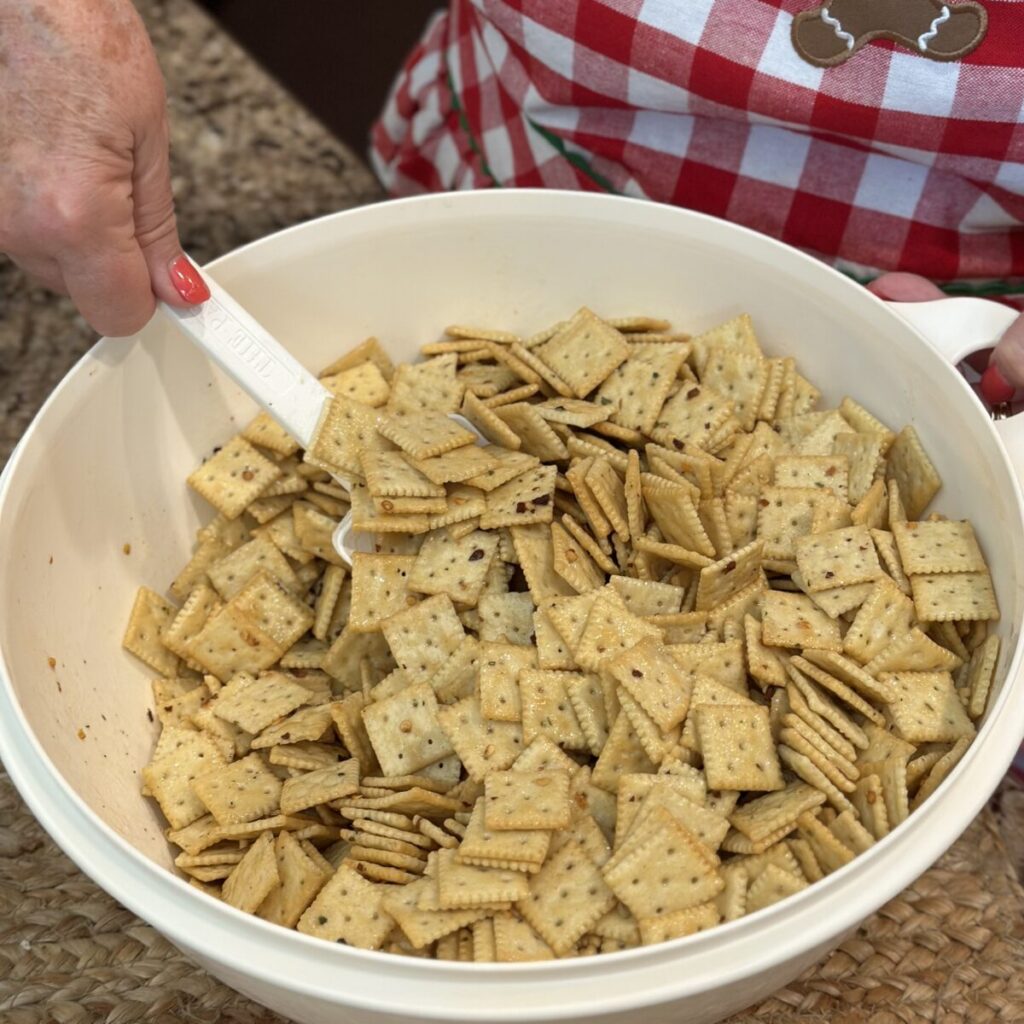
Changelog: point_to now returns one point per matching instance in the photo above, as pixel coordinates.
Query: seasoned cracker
(954, 596)
(737, 746)
(910, 468)
(793, 620)
(526, 800)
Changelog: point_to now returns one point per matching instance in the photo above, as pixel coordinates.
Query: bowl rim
(20, 765)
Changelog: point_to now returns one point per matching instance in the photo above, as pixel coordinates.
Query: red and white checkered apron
(889, 161)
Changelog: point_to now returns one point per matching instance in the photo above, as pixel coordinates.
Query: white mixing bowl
(105, 461)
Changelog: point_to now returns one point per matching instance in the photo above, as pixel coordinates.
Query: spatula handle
(255, 360)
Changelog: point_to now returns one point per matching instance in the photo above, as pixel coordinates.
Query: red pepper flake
(81, 734)
(729, 566)
(637, 674)
(692, 393)
(248, 474)
(477, 555)
(831, 471)
(52, 662)
(520, 506)
(127, 549)
(149, 714)
(542, 500)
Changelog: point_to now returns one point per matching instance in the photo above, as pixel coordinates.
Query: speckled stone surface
(246, 159)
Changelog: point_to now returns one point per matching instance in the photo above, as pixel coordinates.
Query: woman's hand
(1006, 364)
(85, 188)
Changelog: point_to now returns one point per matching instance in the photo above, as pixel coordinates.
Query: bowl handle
(957, 327)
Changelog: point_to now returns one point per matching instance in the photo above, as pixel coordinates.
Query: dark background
(338, 57)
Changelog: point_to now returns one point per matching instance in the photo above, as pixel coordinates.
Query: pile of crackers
(643, 641)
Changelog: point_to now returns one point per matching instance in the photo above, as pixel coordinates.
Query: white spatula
(249, 354)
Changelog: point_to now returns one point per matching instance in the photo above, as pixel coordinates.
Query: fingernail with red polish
(995, 388)
(188, 282)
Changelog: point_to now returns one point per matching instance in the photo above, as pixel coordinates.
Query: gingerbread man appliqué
(835, 31)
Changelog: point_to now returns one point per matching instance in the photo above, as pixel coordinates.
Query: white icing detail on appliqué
(926, 37)
(837, 26)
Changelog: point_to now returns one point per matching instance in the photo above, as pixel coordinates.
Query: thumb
(174, 279)
(1009, 353)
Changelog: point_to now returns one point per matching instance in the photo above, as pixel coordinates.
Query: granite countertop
(246, 161)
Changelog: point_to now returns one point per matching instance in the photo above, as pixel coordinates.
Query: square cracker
(588, 698)
(233, 476)
(183, 755)
(230, 573)
(265, 431)
(345, 431)
(656, 681)
(424, 637)
(253, 704)
(364, 383)
(390, 474)
(758, 818)
(636, 390)
(584, 352)
(954, 597)
(536, 433)
(505, 464)
(566, 897)
(738, 749)
(526, 800)
(500, 666)
(425, 434)
(819, 472)
(429, 386)
(457, 568)
(724, 579)
(150, 618)
(909, 466)
(736, 336)
(405, 732)
(527, 498)
(348, 910)
(739, 378)
(610, 628)
(254, 877)
(692, 414)
(551, 561)
(838, 558)
(793, 620)
(669, 870)
(380, 589)
(886, 614)
(242, 791)
(423, 927)
(547, 710)
(784, 515)
(482, 745)
(927, 708)
(525, 848)
(516, 942)
(467, 885)
(938, 547)
(458, 465)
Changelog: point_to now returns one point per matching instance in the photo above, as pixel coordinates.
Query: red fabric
(890, 161)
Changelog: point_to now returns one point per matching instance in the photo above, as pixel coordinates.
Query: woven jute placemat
(950, 948)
